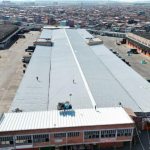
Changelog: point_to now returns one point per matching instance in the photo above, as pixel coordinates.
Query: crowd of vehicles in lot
(133, 51)
(117, 54)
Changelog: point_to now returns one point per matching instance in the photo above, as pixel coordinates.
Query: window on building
(23, 139)
(124, 132)
(41, 138)
(73, 134)
(108, 133)
(59, 135)
(6, 140)
(91, 134)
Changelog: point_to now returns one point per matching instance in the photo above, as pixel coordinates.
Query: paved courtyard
(11, 68)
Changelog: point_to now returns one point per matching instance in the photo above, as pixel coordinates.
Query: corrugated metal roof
(32, 94)
(129, 79)
(109, 79)
(64, 71)
(46, 33)
(84, 34)
(106, 89)
(61, 119)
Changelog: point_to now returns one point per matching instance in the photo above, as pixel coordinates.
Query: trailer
(26, 59)
(30, 49)
(21, 36)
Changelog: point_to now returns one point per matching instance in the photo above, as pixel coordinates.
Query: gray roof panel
(64, 70)
(46, 33)
(133, 83)
(106, 90)
(32, 94)
(109, 79)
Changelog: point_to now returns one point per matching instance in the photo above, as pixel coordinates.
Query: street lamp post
(70, 97)
(120, 104)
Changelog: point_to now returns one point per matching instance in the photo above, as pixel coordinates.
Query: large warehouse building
(7, 34)
(92, 79)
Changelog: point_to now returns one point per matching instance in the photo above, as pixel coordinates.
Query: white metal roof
(56, 27)
(46, 33)
(61, 119)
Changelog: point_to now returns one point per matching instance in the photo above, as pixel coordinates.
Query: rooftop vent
(48, 39)
(17, 110)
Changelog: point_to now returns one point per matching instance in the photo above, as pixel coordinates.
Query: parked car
(134, 51)
(118, 43)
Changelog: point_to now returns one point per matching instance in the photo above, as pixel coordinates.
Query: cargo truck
(30, 49)
(134, 51)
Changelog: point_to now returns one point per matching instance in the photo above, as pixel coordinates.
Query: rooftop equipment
(64, 106)
(17, 110)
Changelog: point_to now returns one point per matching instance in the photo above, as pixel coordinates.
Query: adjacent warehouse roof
(101, 78)
(46, 33)
(62, 119)
(145, 35)
(7, 30)
(133, 89)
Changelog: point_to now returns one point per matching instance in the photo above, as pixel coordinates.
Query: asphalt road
(11, 69)
(134, 59)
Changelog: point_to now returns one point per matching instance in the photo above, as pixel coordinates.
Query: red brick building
(73, 128)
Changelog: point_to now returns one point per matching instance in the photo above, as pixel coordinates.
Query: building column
(115, 146)
(14, 142)
(99, 139)
(130, 145)
(32, 142)
(49, 139)
(66, 141)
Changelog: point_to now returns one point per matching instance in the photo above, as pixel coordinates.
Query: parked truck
(21, 36)
(134, 51)
(30, 49)
(26, 59)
